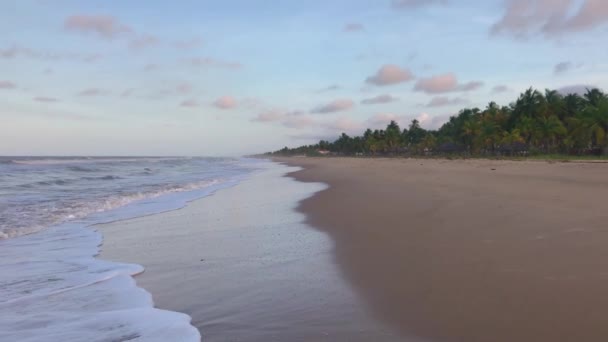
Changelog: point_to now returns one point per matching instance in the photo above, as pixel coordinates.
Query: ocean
(52, 287)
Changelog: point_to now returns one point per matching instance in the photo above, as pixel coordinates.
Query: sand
(475, 250)
(245, 267)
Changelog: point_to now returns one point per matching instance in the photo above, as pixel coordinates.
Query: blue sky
(236, 77)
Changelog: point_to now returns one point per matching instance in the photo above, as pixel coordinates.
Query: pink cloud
(551, 18)
(189, 103)
(188, 44)
(441, 101)
(275, 115)
(413, 4)
(353, 27)
(379, 99)
(16, 51)
(127, 92)
(45, 99)
(211, 62)
(437, 84)
(143, 41)
(184, 88)
(102, 25)
(444, 83)
(151, 67)
(390, 74)
(225, 102)
(7, 85)
(93, 57)
(298, 121)
(92, 92)
(269, 116)
(334, 106)
(346, 125)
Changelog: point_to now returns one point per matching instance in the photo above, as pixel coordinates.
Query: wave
(54, 289)
(91, 160)
(82, 210)
(108, 177)
(81, 169)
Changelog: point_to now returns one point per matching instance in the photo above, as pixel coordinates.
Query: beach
(362, 249)
(469, 250)
(245, 267)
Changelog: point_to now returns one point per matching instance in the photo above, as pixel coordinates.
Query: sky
(234, 77)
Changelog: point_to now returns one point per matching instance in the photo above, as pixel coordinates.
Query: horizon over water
(53, 286)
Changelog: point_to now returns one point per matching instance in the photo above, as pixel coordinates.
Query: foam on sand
(54, 289)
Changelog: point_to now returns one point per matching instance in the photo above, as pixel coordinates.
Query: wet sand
(472, 250)
(245, 267)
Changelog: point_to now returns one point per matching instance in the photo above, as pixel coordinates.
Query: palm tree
(547, 130)
(393, 137)
(595, 118)
(470, 133)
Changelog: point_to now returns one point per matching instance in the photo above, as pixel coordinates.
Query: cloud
(343, 124)
(7, 85)
(414, 4)
(334, 106)
(444, 84)
(183, 88)
(270, 116)
(298, 121)
(290, 119)
(562, 67)
(390, 74)
(579, 89)
(102, 25)
(45, 99)
(143, 41)
(191, 103)
(225, 102)
(151, 67)
(211, 62)
(188, 44)
(16, 51)
(441, 101)
(353, 27)
(500, 89)
(470, 86)
(92, 92)
(127, 92)
(550, 18)
(329, 88)
(379, 99)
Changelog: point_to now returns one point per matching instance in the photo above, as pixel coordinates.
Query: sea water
(52, 288)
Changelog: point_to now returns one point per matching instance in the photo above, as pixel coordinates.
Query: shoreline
(468, 250)
(243, 265)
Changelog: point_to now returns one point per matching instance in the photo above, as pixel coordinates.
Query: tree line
(536, 123)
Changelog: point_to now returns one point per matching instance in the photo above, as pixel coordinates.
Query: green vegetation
(546, 125)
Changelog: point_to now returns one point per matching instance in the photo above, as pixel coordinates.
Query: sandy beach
(473, 250)
(244, 265)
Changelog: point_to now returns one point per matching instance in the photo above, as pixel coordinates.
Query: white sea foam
(52, 288)
(83, 209)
